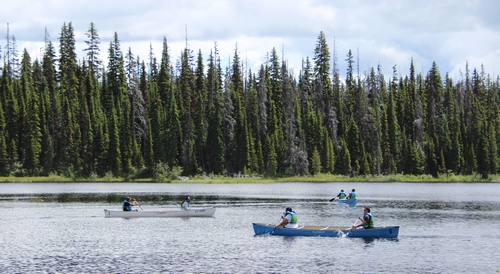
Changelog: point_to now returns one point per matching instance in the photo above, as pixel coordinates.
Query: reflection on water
(161, 198)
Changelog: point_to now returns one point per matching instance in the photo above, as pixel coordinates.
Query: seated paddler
(342, 194)
(368, 220)
(352, 195)
(186, 204)
(289, 219)
(128, 203)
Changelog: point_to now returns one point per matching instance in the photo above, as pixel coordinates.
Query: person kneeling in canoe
(352, 195)
(289, 219)
(127, 205)
(342, 194)
(186, 203)
(367, 221)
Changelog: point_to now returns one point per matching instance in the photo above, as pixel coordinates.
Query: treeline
(137, 118)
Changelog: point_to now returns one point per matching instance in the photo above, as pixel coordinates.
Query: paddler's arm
(283, 223)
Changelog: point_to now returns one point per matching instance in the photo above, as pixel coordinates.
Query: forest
(165, 117)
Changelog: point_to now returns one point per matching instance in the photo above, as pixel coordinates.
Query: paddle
(355, 223)
(332, 199)
(276, 226)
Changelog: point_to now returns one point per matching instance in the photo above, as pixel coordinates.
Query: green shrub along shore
(442, 178)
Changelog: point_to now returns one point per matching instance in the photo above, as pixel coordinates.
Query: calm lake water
(60, 228)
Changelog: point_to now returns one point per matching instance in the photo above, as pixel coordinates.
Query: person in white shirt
(289, 219)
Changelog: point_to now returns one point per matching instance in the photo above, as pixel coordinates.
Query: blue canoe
(351, 202)
(327, 231)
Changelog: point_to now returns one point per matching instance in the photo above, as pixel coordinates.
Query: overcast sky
(392, 32)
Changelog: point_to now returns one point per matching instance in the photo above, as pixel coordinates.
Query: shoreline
(322, 178)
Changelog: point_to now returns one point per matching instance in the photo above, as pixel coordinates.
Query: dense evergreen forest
(147, 118)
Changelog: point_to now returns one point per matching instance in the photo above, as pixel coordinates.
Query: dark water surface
(60, 228)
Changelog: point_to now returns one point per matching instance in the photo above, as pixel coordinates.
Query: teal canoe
(351, 202)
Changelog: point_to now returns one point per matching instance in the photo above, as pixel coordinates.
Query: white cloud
(388, 32)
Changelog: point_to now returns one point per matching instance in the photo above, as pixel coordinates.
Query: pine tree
(68, 155)
(53, 102)
(215, 145)
(3, 145)
(186, 87)
(11, 108)
(92, 50)
(315, 162)
(200, 113)
(122, 106)
(256, 163)
(241, 156)
(433, 132)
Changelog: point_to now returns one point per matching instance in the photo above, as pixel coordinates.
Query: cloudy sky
(391, 32)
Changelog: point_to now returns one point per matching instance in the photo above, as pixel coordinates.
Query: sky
(387, 33)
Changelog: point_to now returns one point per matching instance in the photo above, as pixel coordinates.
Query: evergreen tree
(241, 156)
(68, 155)
(315, 162)
(215, 145)
(3, 145)
(11, 108)
(94, 63)
(433, 121)
(200, 113)
(53, 109)
(187, 98)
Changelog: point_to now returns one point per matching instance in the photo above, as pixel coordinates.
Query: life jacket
(294, 217)
(370, 223)
(341, 195)
(126, 206)
(353, 195)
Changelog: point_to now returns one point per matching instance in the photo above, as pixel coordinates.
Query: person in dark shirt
(128, 203)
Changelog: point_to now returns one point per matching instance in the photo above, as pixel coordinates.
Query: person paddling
(367, 221)
(352, 195)
(186, 203)
(289, 219)
(342, 194)
(128, 203)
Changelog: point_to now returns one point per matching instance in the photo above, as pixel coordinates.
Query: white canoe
(193, 212)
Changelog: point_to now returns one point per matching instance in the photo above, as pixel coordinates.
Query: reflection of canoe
(193, 212)
(327, 231)
(348, 201)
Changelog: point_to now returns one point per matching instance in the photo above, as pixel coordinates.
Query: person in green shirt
(352, 194)
(367, 222)
(342, 194)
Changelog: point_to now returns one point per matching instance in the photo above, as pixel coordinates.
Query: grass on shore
(230, 180)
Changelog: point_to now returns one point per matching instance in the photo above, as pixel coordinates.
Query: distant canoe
(193, 212)
(327, 231)
(351, 202)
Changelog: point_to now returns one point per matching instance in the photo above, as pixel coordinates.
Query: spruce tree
(215, 112)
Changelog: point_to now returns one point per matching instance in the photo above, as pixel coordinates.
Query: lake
(60, 228)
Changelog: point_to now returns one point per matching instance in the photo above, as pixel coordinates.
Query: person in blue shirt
(186, 203)
(352, 194)
(128, 203)
(368, 220)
